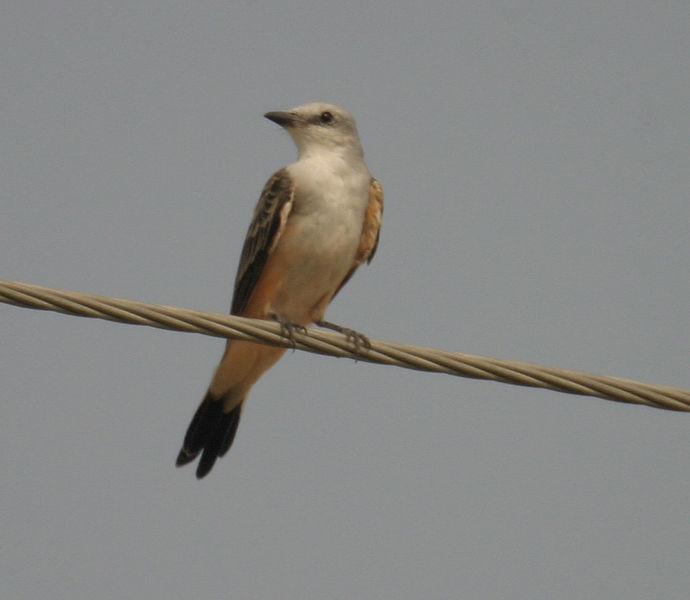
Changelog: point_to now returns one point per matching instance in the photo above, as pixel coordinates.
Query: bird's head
(317, 127)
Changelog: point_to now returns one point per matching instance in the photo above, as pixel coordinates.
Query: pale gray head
(318, 126)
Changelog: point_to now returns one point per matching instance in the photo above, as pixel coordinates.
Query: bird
(317, 220)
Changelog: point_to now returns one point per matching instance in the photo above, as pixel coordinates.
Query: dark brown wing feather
(270, 216)
(212, 430)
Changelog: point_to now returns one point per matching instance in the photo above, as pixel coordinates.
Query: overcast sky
(535, 158)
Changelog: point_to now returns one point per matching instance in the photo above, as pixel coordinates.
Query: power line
(334, 344)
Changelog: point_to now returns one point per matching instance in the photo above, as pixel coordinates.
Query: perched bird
(316, 221)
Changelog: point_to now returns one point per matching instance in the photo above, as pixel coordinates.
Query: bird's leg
(288, 328)
(358, 339)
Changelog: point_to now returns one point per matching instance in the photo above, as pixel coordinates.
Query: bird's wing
(369, 239)
(270, 216)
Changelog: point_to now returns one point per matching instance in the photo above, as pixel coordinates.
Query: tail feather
(211, 432)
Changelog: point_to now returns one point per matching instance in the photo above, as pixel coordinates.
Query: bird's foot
(288, 329)
(358, 340)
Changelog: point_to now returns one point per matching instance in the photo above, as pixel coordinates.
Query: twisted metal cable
(333, 344)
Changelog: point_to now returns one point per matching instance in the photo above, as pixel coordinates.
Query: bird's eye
(326, 117)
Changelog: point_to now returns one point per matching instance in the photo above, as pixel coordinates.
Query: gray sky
(535, 159)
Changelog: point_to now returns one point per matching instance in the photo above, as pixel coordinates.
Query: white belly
(320, 244)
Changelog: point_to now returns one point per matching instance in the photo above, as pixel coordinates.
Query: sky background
(535, 158)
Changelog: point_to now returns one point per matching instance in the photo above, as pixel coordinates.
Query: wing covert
(268, 224)
(369, 240)
(372, 224)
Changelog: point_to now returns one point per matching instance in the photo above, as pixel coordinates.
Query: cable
(335, 344)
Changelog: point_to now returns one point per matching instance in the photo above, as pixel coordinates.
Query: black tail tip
(184, 458)
(208, 459)
(205, 465)
(210, 433)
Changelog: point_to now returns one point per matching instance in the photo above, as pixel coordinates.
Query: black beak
(283, 118)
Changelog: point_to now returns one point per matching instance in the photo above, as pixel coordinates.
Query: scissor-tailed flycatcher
(316, 221)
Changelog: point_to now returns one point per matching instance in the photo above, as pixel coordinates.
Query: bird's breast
(320, 241)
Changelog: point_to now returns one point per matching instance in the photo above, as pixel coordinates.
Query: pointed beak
(283, 118)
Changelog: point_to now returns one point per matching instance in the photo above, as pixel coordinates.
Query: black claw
(288, 329)
(358, 340)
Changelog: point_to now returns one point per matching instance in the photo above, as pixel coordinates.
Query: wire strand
(335, 344)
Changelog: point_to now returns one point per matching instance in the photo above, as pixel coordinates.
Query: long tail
(211, 432)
